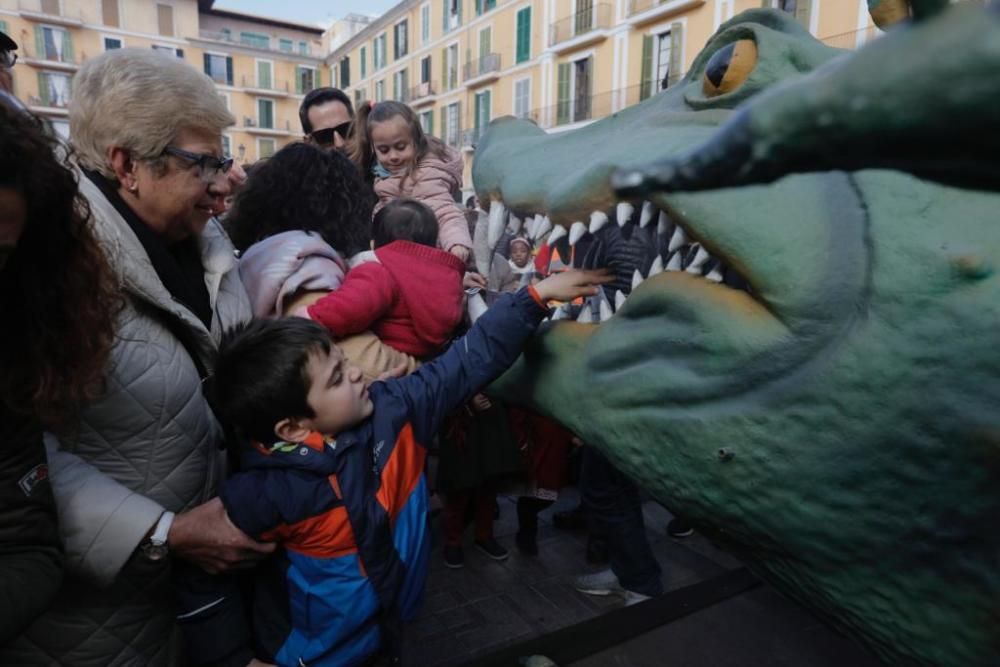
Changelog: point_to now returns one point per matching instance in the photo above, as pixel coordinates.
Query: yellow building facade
(561, 63)
(262, 67)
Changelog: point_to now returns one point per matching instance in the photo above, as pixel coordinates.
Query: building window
(345, 71)
(661, 60)
(427, 121)
(449, 67)
(219, 68)
(265, 148)
(452, 128)
(303, 48)
(662, 69)
(171, 51)
(399, 36)
(574, 91)
(265, 69)
(523, 52)
(227, 145)
(522, 98)
(285, 45)
(364, 62)
(359, 98)
(112, 43)
(54, 89)
(425, 69)
(378, 52)
(800, 9)
(165, 20)
(265, 114)
(483, 6)
(255, 40)
(425, 24)
(483, 104)
(305, 79)
(452, 14)
(380, 90)
(109, 13)
(400, 86)
(54, 43)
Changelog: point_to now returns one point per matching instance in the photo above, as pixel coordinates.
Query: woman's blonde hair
(140, 100)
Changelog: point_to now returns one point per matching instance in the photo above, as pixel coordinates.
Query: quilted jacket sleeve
(101, 521)
(366, 295)
(435, 182)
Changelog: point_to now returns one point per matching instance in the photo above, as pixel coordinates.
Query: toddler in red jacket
(411, 297)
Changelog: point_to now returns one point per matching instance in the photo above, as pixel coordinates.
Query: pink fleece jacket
(435, 183)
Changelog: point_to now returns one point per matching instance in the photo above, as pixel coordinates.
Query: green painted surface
(856, 392)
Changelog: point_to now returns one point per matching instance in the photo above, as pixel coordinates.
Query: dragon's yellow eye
(729, 67)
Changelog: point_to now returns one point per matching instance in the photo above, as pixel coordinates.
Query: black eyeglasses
(324, 137)
(7, 59)
(209, 165)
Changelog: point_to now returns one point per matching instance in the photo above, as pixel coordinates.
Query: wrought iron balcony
(595, 17)
(485, 69)
(422, 91)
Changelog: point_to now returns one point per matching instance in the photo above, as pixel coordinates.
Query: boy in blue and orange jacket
(336, 472)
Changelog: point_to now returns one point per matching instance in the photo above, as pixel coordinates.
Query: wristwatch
(155, 548)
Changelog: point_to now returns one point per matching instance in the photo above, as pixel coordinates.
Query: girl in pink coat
(407, 163)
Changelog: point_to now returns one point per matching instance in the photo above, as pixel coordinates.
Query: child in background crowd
(520, 260)
(335, 472)
(411, 298)
(408, 163)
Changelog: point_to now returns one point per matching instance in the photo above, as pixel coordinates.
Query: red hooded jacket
(411, 298)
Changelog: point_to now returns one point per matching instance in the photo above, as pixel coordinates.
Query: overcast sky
(307, 11)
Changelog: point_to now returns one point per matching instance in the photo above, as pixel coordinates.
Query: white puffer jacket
(149, 444)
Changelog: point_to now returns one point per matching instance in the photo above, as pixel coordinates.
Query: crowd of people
(220, 387)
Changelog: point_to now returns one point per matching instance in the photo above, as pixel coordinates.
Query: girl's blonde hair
(362, 151)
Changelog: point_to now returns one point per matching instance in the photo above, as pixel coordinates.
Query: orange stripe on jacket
(327, 535)
(401, 473)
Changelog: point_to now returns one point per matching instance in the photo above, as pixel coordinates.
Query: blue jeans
(614, 512)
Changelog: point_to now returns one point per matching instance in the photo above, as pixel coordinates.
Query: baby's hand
(460, 251)
(568, 285)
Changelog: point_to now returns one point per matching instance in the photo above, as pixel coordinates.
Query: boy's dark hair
(405, 220)
(260, 374)
(318, 96)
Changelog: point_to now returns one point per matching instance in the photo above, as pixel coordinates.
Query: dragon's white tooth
(514, 226)
(619, 300)
(663, 224)
(715, 275)
(636, 279)
(543, 227)
(699, 260)
(576, 232)
(498, 220)
(586, 314)
(606, 311)
(557, 233)
(597, 220)
(562, 312)
(678, 239)
(675, 263)
(623, 212)
(647, 213)
(656, 267)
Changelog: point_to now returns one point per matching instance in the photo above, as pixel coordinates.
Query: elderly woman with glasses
(134, 477)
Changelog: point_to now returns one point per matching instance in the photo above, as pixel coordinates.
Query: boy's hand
(568, 285)
(472, 280)
(481, 403)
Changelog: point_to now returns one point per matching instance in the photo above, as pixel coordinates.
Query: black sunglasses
(207, 163)
(324, 137)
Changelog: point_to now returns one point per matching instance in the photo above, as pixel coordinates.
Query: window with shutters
(380, 90)
(286, 45)
(345, 70)
(305, 79)
(165, 20)
(265, 148)
(425, 24)
(400, 86)
(54, 89)
(662, 55)
(359, 97)
(54, 44)
(523, 35)
(363, 55)
(449, 66)
(265, 74)
(661, 60)
(522, 98)
(112, 43)
(427, 121)
(425, 69)
(110, 14)
(378, 52)
(219, 68)
(452, 10)
(453, 126)
(227, 146)
(584, 19)
(483, 112)
(574, 92)
(171, 51)
(399, 39)
(483, 6)
(265, 114)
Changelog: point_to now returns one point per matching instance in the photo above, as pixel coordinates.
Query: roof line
(266, 20)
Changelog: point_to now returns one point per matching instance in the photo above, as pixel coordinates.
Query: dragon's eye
(729, 67)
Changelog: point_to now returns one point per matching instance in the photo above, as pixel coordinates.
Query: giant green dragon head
(809, 372)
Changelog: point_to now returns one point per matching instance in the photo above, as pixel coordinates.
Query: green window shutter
(524, 35)
(229, 70)
(459, 12)
(646, 78)
(485, 45)
(444, 16)
(676, 52)
(489, 108)
(430, 121)
(43, 89)
(444, 72)
(562, 104)
(803, 12)
(475, 119)
(364, 62)
(68, 47)
(298, 80)
(3, 26)
(39, 42)
(444, 123)
(206, 59)
(263, 75)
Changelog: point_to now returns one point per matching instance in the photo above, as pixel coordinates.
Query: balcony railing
(852, 39)
(48, 54)
(422, 91)
(251, 124)
(595, 17)
(51, 14)
(488, 64)
(231, 38)
(270, 86)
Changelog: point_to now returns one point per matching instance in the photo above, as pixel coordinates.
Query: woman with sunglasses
(135, 473)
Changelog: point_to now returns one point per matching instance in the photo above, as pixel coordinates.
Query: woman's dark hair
(359, 144)
(261, 374)
(58, 294)
(318, 96)
(303, 187)
(405, 220)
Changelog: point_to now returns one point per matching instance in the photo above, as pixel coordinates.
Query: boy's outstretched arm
(487, 350)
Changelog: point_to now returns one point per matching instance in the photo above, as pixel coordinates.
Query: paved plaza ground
(489, 612)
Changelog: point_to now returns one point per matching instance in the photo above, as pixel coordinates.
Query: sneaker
(493, 549)
(599, 583)
(454, 557)
(527, 543)
(631, 598)
(679, 528)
